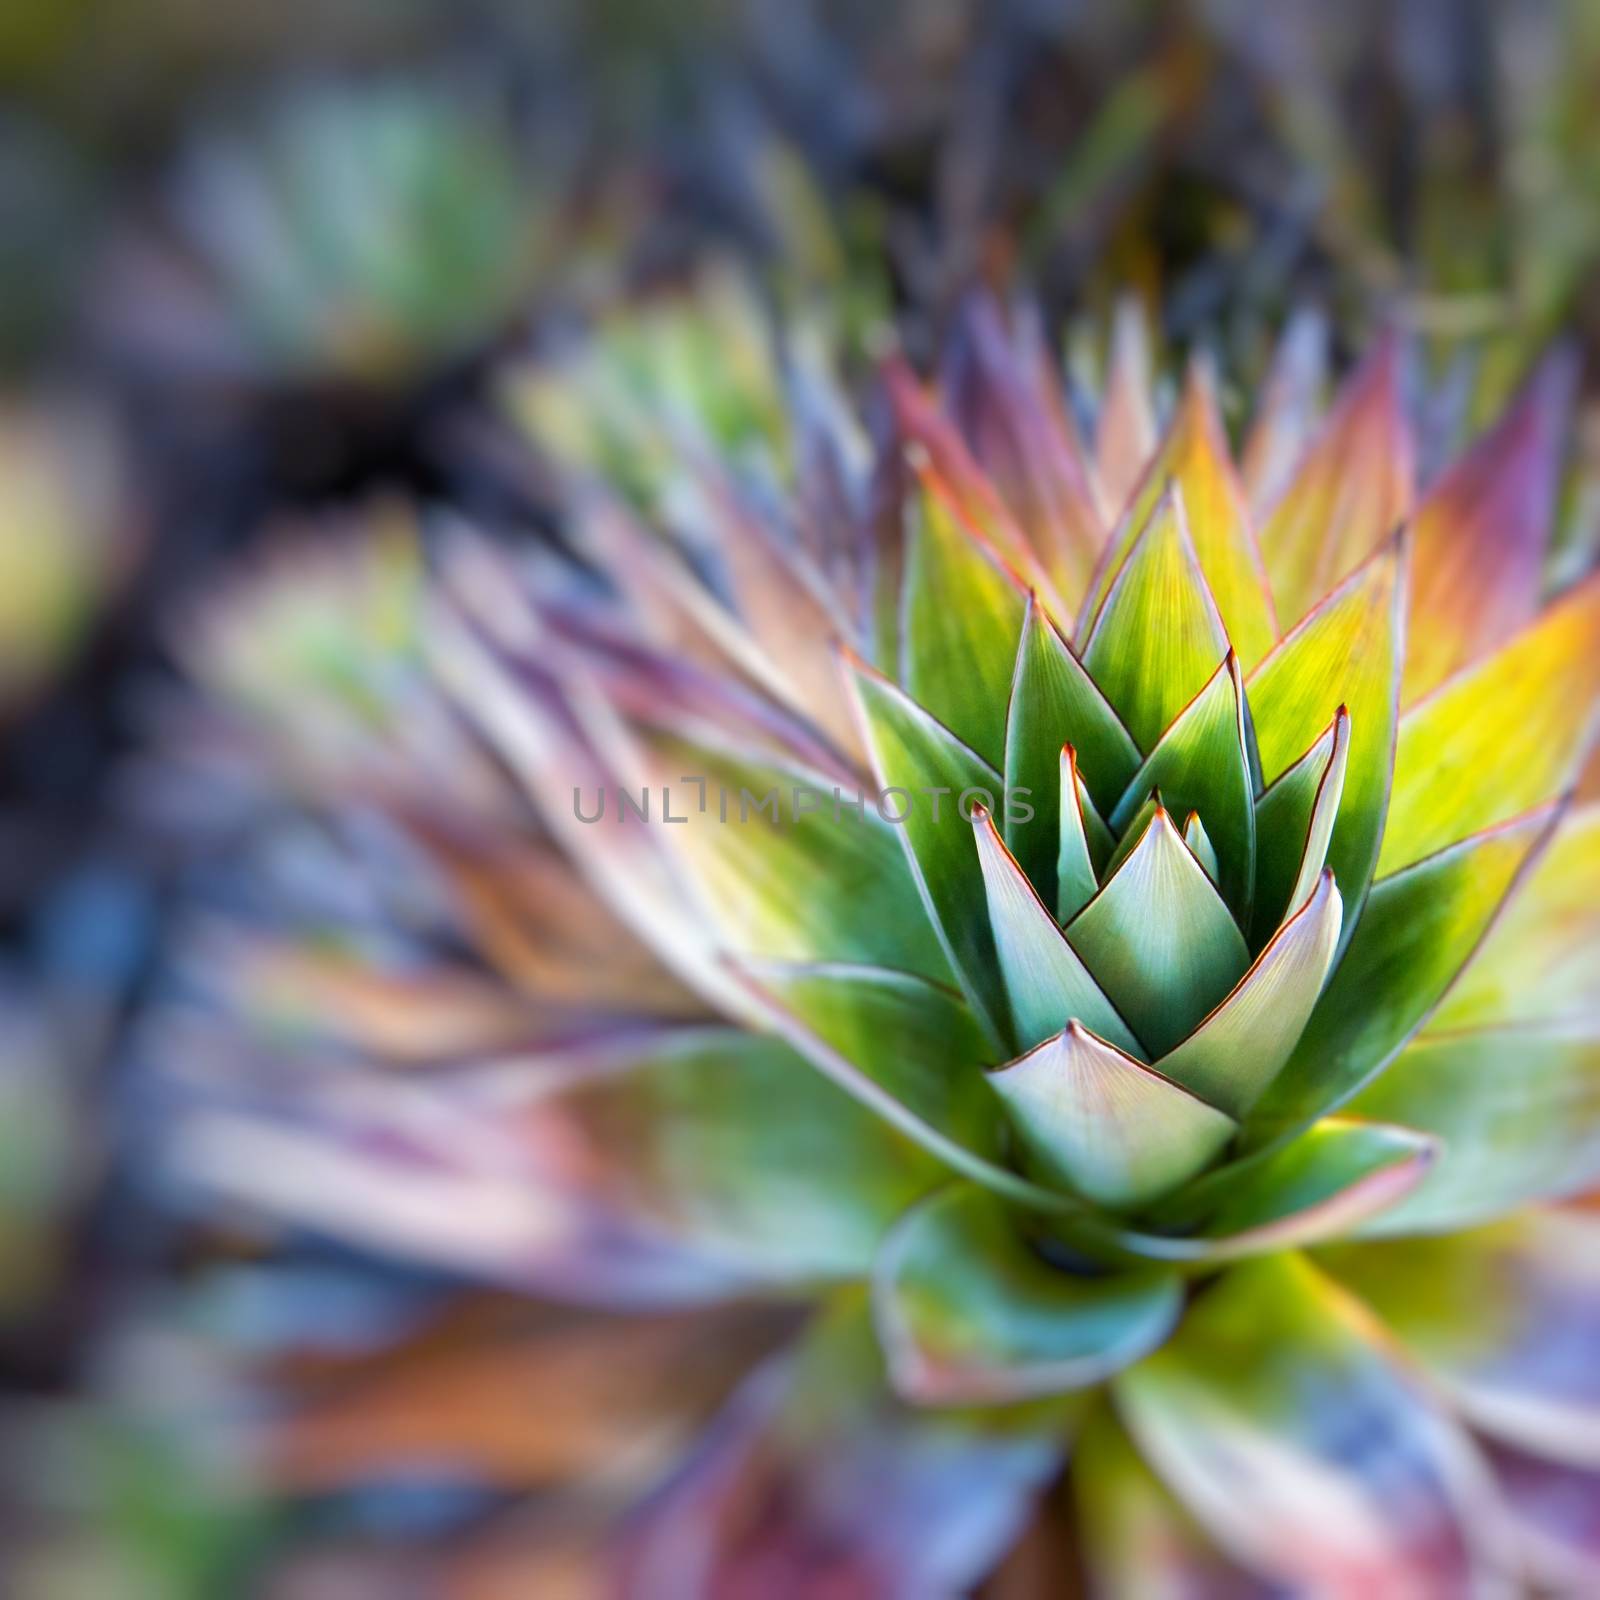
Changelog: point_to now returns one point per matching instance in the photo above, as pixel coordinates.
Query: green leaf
(1047, 984)
(1159, 940)
(1320, 1185)
(1104, 1125)
(1294, 823)
(1194, 455)
(963, 616)
(1501, 1318)
(905, 1055)
(970, 1314)
(1420, 928)
(1231, 1058)
(1307, 1450)
(1157, 637)
(1054, 702)
(1502, 737)
(1200, 765)
(1346, 653)
(915, 754)
(914, 1050)
(730, 1141)
(1132, 835)
(1200, 846)
(1083, 845)
(1516, 1109)
(788, 879)
(1537, 966)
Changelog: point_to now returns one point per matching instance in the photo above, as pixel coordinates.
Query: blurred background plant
(260, 261)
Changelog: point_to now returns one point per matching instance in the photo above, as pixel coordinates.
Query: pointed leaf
(1055, 702)
(666, 597)
(1346, 653)
(909, 1049)
(1504, 736)
(1420, 928)
(1309, 1453)
(1094, 1119)
(1200, 846)
(1132, 836)
(1194, 455)
(784, 607)
(1294, 825)
(1479, 535)
(1290, 407)
(1159, 940)
(1537, 966)
(1201, 765)
(1320, 1185)
(1127, 432)
(1507, 1319)
(1084, 843)
(961, 623)
(1157, 637)
(1231, 1058)
(970, 1314)
(1516, 1110)
(944, 468)
(1006, 402)
(905, 1055)
(1351, 490)
(931, 769)
(1047, 984)
(782, 874)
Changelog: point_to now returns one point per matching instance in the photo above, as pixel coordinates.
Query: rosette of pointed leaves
(1210, 899)
(362, 234)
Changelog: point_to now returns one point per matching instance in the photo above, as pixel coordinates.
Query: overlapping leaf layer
(1118, 890)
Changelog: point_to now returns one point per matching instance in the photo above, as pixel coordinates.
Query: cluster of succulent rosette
(1185, 1166)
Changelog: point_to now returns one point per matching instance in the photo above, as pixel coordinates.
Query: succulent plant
(1143, 952)
(367, 235)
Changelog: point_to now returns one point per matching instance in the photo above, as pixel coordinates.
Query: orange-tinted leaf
(1194, 455)
(1351, 491)
(1007, 402)
(1479, 535)
(1501, 737)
